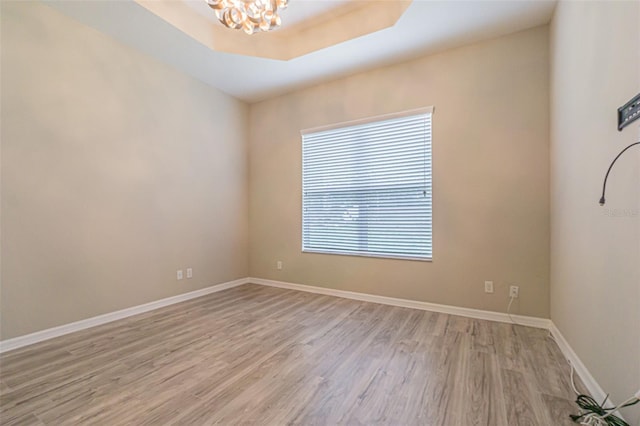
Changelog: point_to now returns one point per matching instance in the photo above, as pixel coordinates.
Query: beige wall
(595, 251)
(491, 176)
(116, 171)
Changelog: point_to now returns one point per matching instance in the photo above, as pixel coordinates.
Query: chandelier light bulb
(249, 15)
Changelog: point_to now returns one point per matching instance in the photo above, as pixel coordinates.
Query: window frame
(380, 118)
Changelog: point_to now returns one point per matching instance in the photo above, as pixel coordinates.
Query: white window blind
(367, 188)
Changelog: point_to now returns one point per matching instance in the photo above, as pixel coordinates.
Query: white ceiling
(426, 27)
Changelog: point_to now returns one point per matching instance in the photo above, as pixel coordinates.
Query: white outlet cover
(514, 291)
(488, 286)
(179, 274)
(189, 273)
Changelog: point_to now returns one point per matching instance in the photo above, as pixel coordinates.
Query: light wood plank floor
(260, 355)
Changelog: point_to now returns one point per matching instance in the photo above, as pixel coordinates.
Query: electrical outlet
(189, 272)
(279, 264)
(488, 286)
(179, 274)
(514, 291)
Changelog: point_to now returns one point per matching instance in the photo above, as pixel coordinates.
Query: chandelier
(249, 15)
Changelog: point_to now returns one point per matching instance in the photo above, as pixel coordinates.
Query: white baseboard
(405, 303)
(39, 336)
(581, 370)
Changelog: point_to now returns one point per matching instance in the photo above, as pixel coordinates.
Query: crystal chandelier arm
(249, 15)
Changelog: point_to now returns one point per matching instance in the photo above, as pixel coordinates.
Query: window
(367, 187)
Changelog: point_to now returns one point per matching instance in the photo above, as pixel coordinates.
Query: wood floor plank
(552, 380)
(268, 356)
(482, 339)
(559, 409)
(384, 350)
(440, 404)
(518, 399)
(23, 420)
(483, 402)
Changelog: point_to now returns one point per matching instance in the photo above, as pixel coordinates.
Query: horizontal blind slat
(367, 189)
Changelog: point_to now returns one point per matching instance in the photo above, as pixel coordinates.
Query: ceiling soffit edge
(346, 22)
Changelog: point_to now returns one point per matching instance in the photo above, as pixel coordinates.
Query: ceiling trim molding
(346, 22)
